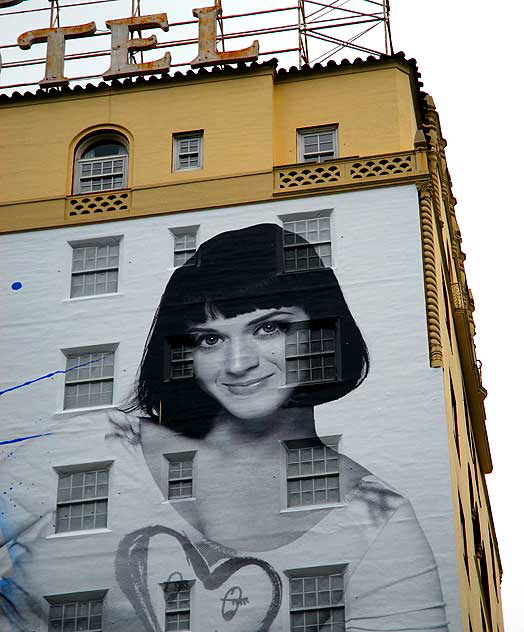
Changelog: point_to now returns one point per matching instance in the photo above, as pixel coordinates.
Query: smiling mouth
(247, 387)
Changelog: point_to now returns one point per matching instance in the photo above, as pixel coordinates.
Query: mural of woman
(277, 530)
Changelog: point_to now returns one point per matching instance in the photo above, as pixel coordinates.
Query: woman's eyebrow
(202, 329)
(278, 312)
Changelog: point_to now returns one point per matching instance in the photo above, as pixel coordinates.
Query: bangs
(236, 273)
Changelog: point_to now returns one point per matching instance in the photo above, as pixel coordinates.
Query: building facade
(240, 388)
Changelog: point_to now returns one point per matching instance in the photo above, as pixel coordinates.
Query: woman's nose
(241, 357)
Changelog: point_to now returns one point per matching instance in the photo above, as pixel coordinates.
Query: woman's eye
(269, 328)
(209, 340)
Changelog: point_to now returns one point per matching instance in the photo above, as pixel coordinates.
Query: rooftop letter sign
(208, 54)
(123, 44)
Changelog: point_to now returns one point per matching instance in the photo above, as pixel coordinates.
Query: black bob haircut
(235, 273)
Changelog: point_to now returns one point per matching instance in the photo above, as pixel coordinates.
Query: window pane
(180, 476)
(185, 245)
(177, 602)
(85, 281)
(188, 152)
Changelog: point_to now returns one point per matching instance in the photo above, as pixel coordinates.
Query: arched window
(101, 164)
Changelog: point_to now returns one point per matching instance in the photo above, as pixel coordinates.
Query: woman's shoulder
(367, 493)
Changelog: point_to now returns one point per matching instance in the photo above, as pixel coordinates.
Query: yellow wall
(249, 120)
(373, 109)
(39, 137)
(468, 481)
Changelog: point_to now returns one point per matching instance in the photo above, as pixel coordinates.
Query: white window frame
(294, 472)
(319, 155)
(93, 475)
(178, 154)
(182, 586)
(312, 347)
(308, 225)
(183, 477)
(328, 579)
(76, 600)
(185, 251)
(84, 273)
(84, 146)
(74, 377)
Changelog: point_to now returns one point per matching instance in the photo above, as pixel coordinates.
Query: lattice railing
(344, 171)
(106, 202)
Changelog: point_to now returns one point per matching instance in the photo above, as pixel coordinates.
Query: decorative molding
(103, 202)
(345, 171)
(459, 301)
(425, 189)
(306, 177)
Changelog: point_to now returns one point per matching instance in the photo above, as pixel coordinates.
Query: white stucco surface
(393, 424)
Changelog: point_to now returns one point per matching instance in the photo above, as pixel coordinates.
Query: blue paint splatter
(25, 439)
(17, 285)
(48, 375)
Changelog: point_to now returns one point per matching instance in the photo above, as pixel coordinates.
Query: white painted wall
(393, 424)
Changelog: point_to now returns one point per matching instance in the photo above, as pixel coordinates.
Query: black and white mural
(209, 497)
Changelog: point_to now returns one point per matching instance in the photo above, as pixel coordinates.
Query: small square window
(180, 475)
(187, 151)
(89, 379)
(312, 473)
(185, 244)
(178, 605)
(317, 602)
(307, 244)
(318, 144)
(73, 616)
(95, 268)
(82, 500)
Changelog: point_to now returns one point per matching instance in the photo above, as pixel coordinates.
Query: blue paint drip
(17, 285)
(44, 377)
(45, 434)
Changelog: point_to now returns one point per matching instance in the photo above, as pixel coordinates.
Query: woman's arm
(396, 585)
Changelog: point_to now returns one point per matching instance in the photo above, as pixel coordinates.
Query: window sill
(312, 507)
(88, 409)
(172, 501)
(72, 534)
(74, 299)
(186, 169)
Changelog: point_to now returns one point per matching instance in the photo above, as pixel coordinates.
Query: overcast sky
(469, 54)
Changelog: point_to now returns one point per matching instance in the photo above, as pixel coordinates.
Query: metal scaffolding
(323, 30)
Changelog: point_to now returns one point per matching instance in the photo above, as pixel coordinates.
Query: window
(178, 605)
(89, 379)
(188, 151)
(317, 603)
(82, 500)
(312, 473)
(101, 164)
(307, 244)
(454, 414)
(185, 244)
(180, 475)
(181, 360)
(318, 144)
(95, 268)
(464, 536)
(73, 616)
(310, 353)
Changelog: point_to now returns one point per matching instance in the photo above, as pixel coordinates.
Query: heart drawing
(131, 569)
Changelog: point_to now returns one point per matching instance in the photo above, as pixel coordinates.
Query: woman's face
(241, 361)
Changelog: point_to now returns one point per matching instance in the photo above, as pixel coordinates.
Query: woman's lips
(247, 387)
